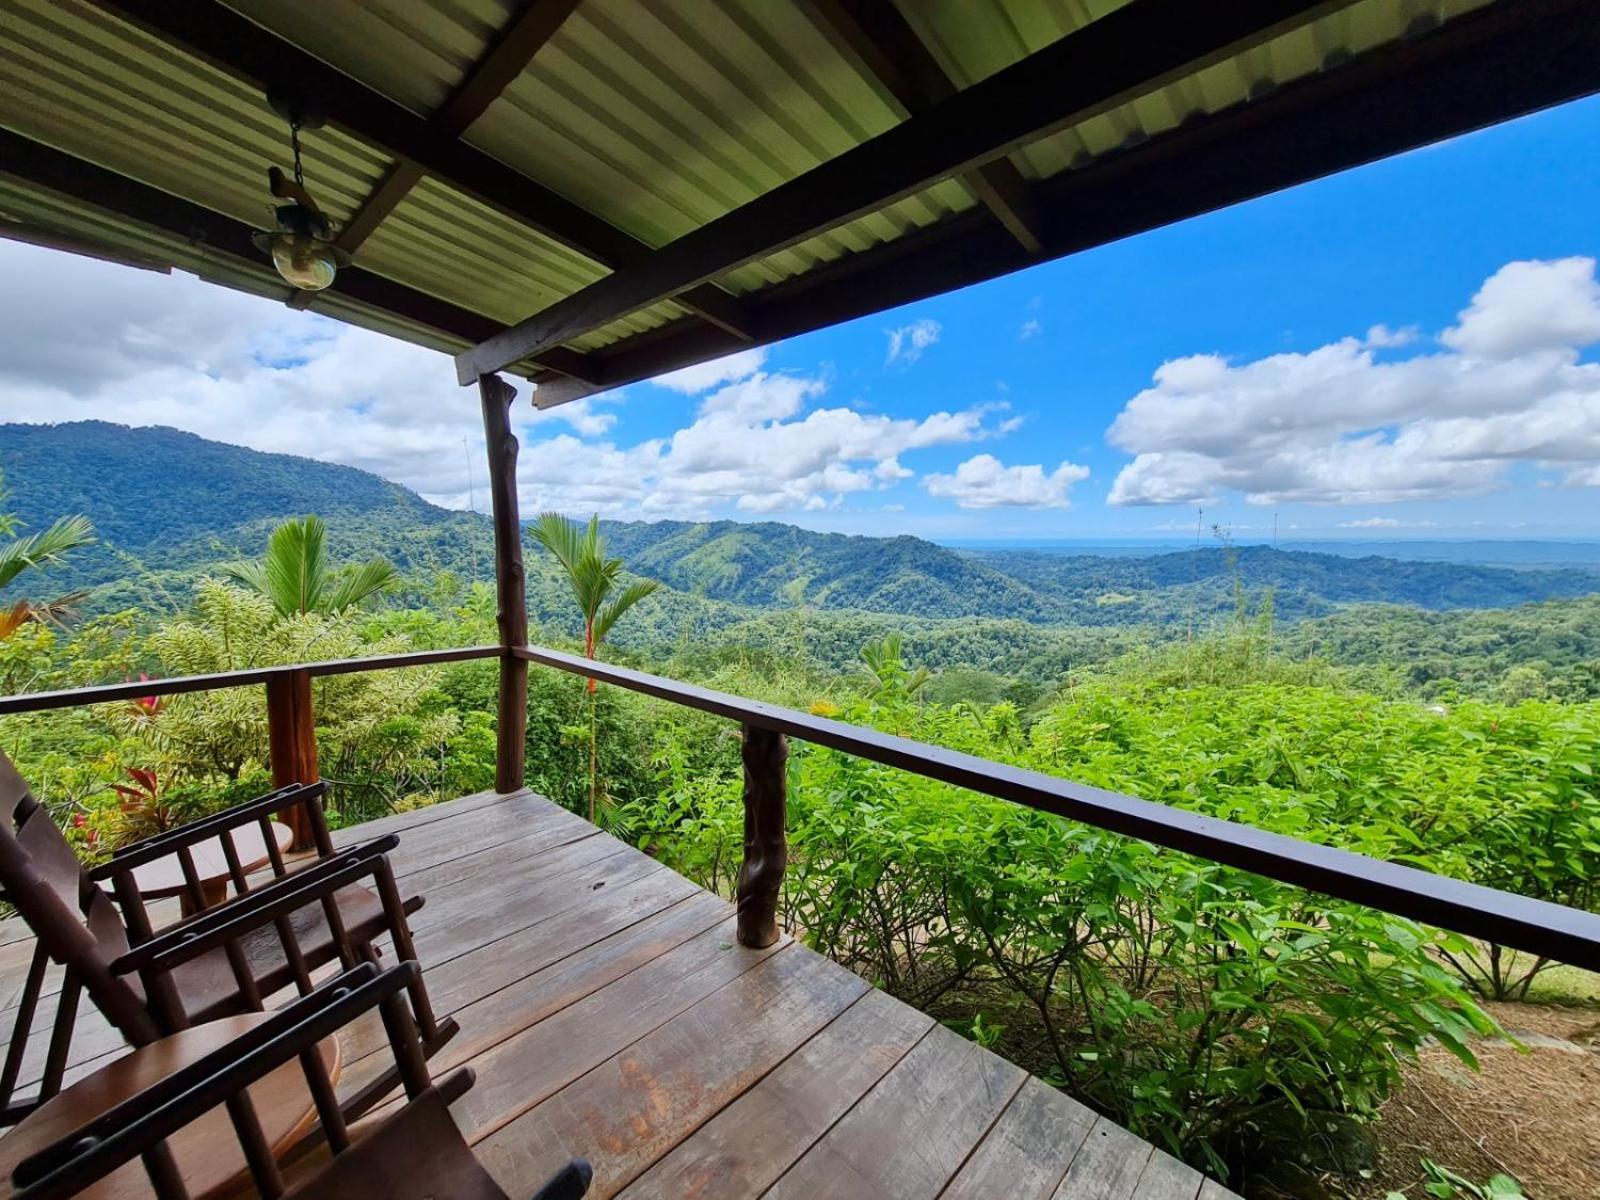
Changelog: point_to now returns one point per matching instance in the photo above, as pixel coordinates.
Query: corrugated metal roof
(656, 115)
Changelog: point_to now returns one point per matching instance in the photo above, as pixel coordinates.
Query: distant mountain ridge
(170, 505)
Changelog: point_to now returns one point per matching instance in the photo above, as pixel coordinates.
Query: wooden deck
(609, 1013)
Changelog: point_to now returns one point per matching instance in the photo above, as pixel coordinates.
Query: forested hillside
(170, 507)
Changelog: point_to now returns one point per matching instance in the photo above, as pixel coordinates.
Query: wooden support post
(510, 585)
(292, 744)
(766, 853)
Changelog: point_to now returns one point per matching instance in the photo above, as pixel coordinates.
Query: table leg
(215, 892)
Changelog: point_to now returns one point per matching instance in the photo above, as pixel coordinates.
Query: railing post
(766, 853)
(292, 743)
(510, 590)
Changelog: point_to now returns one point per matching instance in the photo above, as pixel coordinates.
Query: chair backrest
(75, 922)
(416, 1153)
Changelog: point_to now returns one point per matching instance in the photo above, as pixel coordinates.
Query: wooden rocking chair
(417, 1153)
(220, 963)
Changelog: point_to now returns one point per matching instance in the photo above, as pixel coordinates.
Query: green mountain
(169, 506)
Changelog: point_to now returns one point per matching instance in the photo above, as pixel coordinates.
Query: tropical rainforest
(1440, 714)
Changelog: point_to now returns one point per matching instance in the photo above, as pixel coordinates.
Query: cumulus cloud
(101, 342)
(757, 445)
(1032, 327)
(907, 343)
(985, 482)
(691, 381)
(1340, 424)
(171, 350)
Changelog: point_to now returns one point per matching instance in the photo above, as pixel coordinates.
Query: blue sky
(1402, 350)
(1404, 243)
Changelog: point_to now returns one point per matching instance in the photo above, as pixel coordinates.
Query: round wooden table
(206, 1150)
(164, 877)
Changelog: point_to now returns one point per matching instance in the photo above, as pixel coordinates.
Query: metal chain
(294, 141)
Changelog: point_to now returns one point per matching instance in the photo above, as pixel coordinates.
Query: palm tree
(36, 551)
(298, 578)
(593, 578)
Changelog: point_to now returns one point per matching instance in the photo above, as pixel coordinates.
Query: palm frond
(559, 536)
(297, 566)
(58, 609)
(355, 584)
(631, 595)
(252, 576)
(44, 548)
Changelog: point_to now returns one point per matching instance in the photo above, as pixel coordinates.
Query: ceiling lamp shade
(301, 246)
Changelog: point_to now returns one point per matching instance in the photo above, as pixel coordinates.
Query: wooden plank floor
(609, 1013)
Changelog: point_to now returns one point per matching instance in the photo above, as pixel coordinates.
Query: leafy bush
(1228, 1017)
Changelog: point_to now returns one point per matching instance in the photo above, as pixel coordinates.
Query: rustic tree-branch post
(292, 743)
(766, 853)
(510, 582)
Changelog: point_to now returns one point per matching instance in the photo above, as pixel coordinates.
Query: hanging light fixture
(301, 246)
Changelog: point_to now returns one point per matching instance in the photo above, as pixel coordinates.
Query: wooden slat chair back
(75, 923)
(218, 963)
(417, 1153)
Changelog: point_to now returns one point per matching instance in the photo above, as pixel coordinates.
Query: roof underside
(635, 185)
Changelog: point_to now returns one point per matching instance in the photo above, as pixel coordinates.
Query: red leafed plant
(144, 810)
(146, 708)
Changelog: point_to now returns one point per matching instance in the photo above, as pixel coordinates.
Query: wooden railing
(291, 719)
(1539, 927)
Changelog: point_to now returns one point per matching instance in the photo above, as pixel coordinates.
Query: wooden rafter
(507, 57)
(886, 45)
(1476, 70)
(214, 33)
(86, 183)
(1136, 49)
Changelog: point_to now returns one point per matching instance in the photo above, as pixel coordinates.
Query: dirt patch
(1533, 1114)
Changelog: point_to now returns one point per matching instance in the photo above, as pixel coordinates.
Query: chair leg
(55, 1062)
(435, 1034)
(26, 1007)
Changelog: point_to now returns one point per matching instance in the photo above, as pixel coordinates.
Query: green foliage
(298, 578)
(1445, 1184)
(33, 553)
(1237, 1021)
(593, 579)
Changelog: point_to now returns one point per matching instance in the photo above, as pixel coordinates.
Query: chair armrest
(253, 910)
(160, 845)
(136, 1125)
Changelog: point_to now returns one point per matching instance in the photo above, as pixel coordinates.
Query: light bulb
(303, 261)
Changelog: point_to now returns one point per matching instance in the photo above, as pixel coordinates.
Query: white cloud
(756, 445)
(907, 343)
(1032, 327)
(702, 377)
(985, 482)
(1339, 425)
(1387, 523)
(97, 341)
(1525, 307)
(582, 415)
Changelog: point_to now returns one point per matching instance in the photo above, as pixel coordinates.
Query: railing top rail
(1539, 927)
(136, 690)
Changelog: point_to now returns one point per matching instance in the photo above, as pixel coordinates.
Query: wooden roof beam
(886, 45)
(508, 56)
(1501, 62)
(216, 34)
(1128, 53)
(53, 170)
